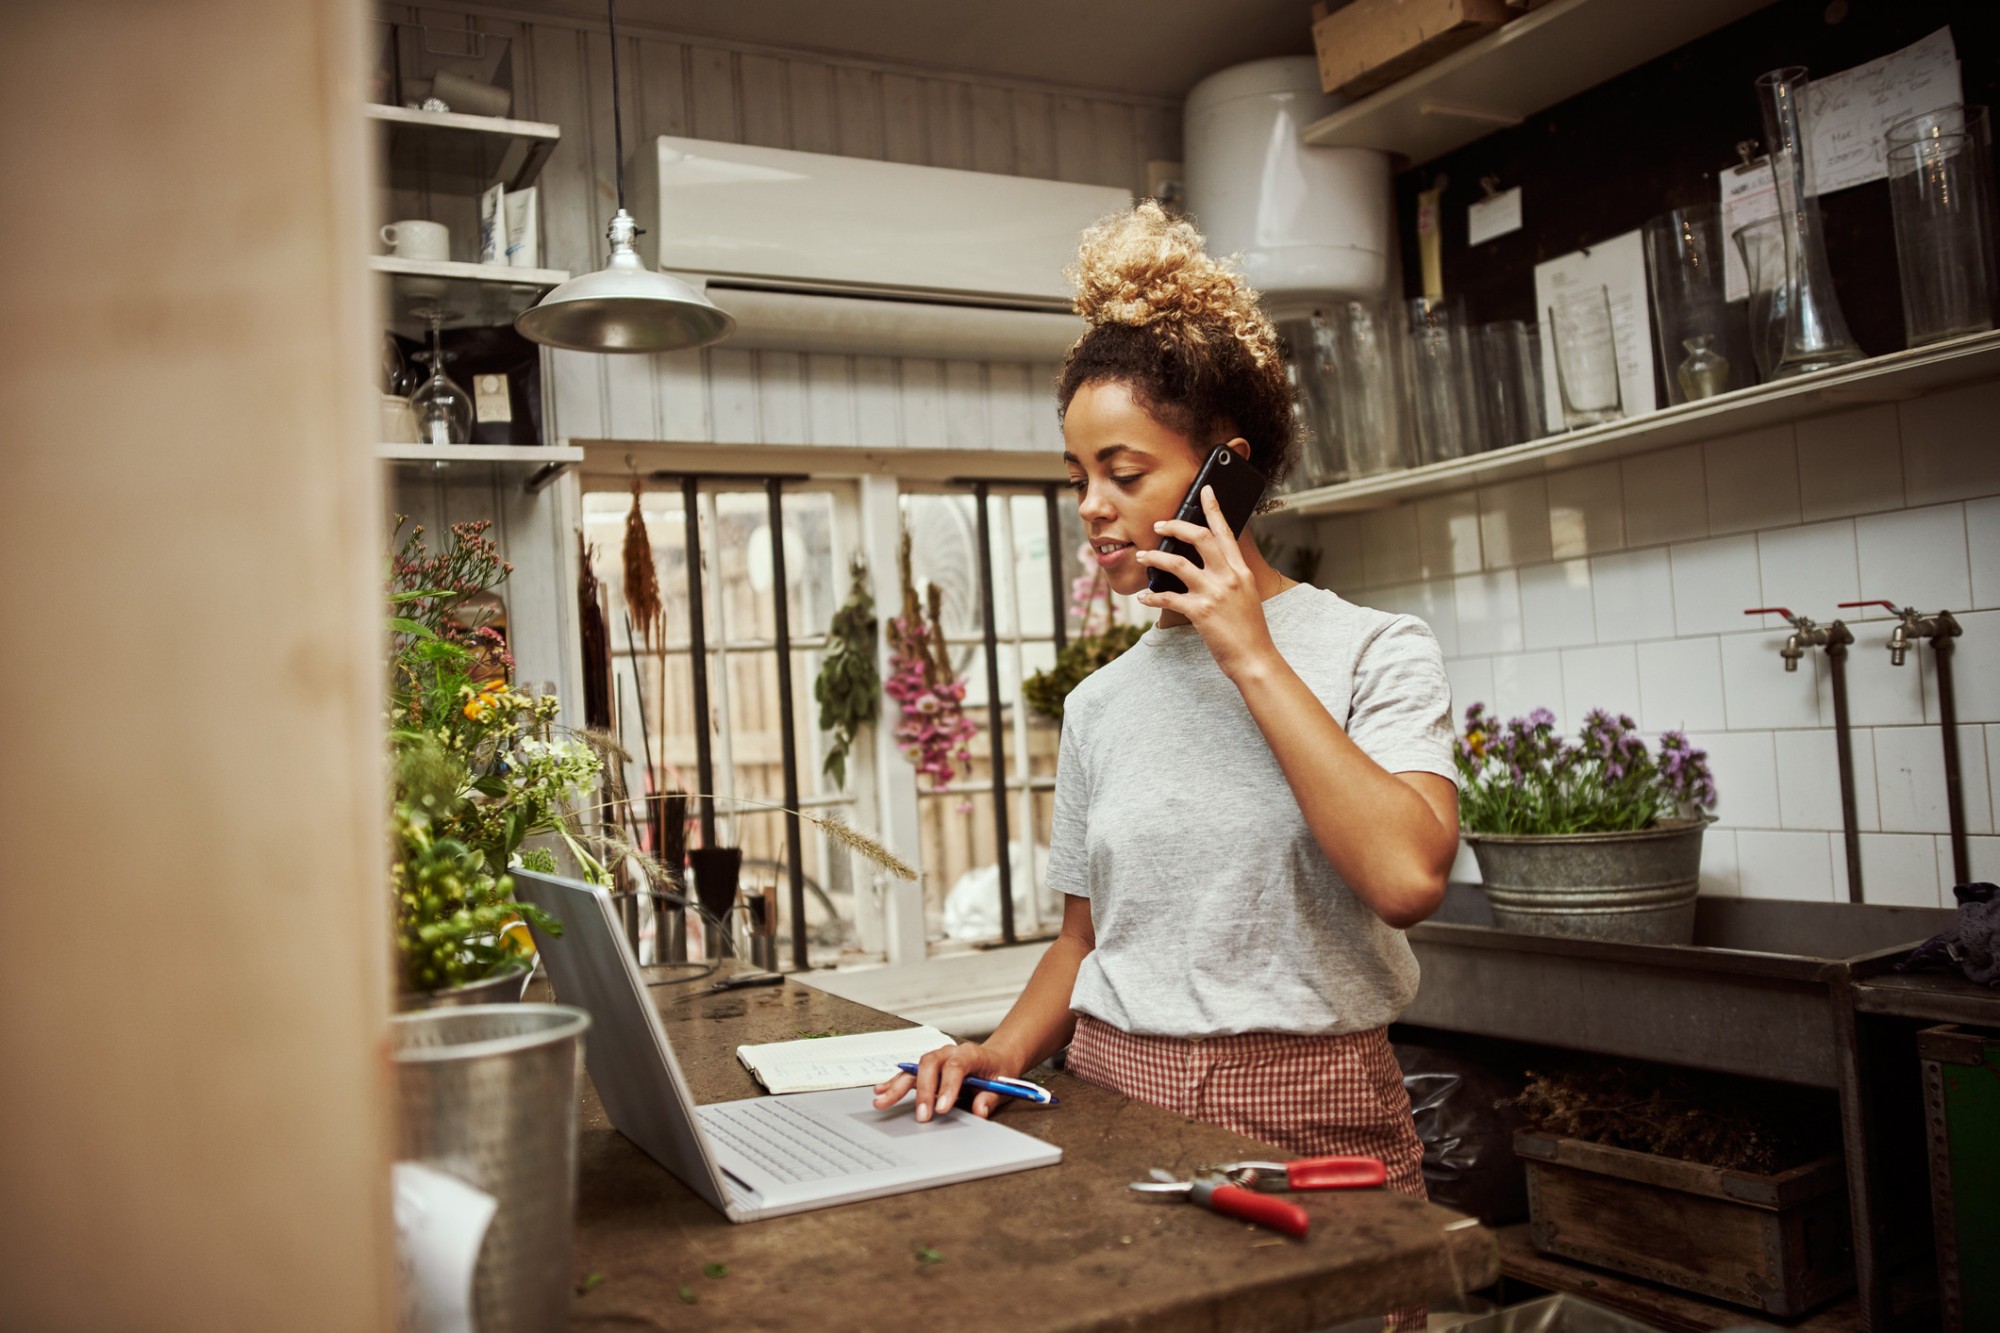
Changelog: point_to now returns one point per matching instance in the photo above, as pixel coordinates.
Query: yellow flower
(479, 706)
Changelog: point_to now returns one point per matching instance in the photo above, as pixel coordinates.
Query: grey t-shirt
(1216, 911)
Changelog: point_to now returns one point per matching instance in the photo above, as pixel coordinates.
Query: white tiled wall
(1622, 585)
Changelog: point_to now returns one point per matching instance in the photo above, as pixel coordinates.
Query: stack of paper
(815, 1064)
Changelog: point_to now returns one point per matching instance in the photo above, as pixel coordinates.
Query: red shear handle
(1265, 1211)
(1336, 1173)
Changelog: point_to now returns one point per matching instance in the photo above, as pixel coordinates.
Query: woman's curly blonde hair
(1184, 331)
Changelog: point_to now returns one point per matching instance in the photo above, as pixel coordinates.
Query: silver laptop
(764, 1156)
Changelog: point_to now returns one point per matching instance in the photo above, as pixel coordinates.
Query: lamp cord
(617, 104)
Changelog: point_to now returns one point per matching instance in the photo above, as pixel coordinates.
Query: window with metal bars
(1004, 556)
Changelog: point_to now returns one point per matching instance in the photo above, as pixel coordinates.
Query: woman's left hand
(1221, 600)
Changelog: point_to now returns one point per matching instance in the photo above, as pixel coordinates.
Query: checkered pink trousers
(1310, 1096)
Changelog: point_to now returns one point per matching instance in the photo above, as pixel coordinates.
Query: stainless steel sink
(1753, 995)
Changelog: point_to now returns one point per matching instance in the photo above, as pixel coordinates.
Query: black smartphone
(1238, 489)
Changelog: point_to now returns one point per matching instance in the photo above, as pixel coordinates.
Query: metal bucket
(489, 1094)
(1637, 887)
(503, 989)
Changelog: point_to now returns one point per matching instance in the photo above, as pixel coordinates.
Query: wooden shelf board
(523, 454)
(1529, 65)
(450, 152)
(538, 464)
(1891, 378)
(475, 295)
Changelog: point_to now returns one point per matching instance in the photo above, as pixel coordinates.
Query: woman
(1253, 802)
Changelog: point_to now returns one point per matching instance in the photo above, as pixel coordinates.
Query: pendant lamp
(624, 306)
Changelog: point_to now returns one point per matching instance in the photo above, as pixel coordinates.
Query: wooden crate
(1777, 1243)
(1370, 44)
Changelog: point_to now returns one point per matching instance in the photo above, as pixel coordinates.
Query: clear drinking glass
(1816, 335)
(1762, 245)
(1368, 419)
(1442, 380)
(1941, 197)
(1310, 365)
(1586, 357)
(1510, 383)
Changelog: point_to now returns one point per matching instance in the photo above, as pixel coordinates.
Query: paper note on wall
(1619, 266)
(1748, 194)
(1849, 111)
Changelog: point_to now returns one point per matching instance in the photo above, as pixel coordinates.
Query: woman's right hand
(939, 1076)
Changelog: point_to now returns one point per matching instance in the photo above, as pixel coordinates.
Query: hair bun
(1141, 267)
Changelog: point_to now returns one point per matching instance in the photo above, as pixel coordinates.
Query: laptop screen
(630, 1060)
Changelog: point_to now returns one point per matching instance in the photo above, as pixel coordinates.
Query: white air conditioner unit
(815, 252)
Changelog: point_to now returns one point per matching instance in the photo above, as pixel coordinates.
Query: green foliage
(849, 688)
(1522, 778)
(476, 770)
(1046, 690)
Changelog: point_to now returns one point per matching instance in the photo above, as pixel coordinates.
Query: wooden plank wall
(561, 70)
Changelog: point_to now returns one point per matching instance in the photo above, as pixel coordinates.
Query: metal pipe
(704, 757)
(1837, 637)
(774, 497)
(1954, 779)
(1058, 599)
(996, 742)
(1912, 628)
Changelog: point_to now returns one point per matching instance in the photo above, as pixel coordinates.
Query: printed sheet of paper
(1850, 110)
(858, 1060)
(1619, 265)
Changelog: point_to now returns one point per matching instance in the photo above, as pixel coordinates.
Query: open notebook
(861, 1059)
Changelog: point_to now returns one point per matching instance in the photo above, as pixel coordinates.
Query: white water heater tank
(1306, 223)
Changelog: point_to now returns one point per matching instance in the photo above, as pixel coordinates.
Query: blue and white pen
(1006, 1087)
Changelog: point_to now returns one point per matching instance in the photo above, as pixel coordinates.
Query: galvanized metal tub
(505, 988)
(490, 1094)
(1637, 887)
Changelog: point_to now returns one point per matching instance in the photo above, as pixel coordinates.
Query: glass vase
(1762, 245)
(1816, 335)
(1684, 253)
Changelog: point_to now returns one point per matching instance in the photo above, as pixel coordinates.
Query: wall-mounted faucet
(1912, 628)
(1834, 637)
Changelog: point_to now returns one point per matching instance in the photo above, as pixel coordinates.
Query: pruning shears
(1240, 1189)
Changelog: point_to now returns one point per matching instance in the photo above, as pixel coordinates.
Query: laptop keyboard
(790, 1144)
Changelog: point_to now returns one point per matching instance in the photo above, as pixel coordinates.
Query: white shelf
(448, 152)
(475, 295)
(1527, 66)
(1881, 379)
(538, 464)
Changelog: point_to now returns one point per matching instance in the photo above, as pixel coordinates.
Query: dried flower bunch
(478, 767)
(934, 731)
(848, 687)
(1521, 777)
(642, 578)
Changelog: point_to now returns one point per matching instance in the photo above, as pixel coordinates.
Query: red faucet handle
(1784, 611)
(1892, 608)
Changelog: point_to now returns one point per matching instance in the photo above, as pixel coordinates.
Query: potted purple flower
(1600, 837)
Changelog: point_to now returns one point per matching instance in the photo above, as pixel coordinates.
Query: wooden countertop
(1063, 1247)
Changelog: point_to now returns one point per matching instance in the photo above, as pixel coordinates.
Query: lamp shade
(624, 307)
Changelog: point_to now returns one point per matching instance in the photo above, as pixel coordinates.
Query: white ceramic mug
(414, 239)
